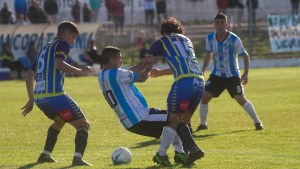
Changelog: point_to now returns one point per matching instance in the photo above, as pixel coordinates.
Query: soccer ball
(121, 155)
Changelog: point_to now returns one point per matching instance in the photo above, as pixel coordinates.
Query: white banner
(284, 32)
(19, 38)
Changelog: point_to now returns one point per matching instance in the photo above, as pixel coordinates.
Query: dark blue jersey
(179, 53)
(49, 80)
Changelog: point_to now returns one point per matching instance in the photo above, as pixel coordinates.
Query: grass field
(230, 142)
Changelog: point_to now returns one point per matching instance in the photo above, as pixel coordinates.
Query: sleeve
(240, 48)
(157, 48)
(207, 46)
(62, 50)
(127, 76)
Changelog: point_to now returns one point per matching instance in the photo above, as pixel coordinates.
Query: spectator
(31, 52)
(252, 11)
(240, 13)
(7, 60)
(21, 20)
(222, 6)
(161, 10)
(36, 13)
(6, 14)
(95, 6)
(119, 16)
(76, 11)
(149, 12)
(51, 9)
(295, 7)
(109, 8)
(87, 13)
(232, 4)
(21, 10)
(141, 43)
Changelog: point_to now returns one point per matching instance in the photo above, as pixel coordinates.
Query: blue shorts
(185, 95)
(62, 106)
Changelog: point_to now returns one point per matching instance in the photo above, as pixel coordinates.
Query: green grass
(230, 142)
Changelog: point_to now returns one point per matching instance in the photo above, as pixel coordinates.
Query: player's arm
(29, 78)
(64, 66)
(244, 77)
(143, 76)
(206, 61)
(158, 72)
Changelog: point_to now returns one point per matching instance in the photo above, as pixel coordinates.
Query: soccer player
(224, 47)
(48, 70)
(129, 104)
(188, 85)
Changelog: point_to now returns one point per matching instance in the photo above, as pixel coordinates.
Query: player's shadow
(27, 166)
(146, 143)
(31, 165)
(207, 136)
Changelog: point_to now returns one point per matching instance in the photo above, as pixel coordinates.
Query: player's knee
(173, 119)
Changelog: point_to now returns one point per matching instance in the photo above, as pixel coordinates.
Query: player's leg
(204, 110)
(179, 101)
(81, 139)
(167, 138)
(249, 108)
(70, 112)
(236, 91)
(46, 106)
(52, 134)
(213, 88)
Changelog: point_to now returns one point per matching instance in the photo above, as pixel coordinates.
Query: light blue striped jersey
(122, 95)
(49, 80)
(225, 54)
(179, 53)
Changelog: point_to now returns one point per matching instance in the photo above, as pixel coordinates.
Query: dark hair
(220, 16)
(107, 53)
(171, 25)
(67, 26)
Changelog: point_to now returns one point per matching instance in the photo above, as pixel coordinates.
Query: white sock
(46, 152)
(177, 144)
(76, 154)
(167, 138)
(203, 114)
(251, 111)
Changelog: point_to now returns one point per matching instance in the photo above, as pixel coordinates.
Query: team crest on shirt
(130, 76)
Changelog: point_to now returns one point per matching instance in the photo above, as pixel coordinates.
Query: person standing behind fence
(224, 47)
(252, 11)
(240, 13)
(161, 10)
(149, 7)
(119, 16)
(76, 12)
(51, 9)
(109, 8)
(21, 10)
(222, 6)
(95, 6)
(295, 7)
(231, 12)
(87, 13)
(6, 14)
(36, 13)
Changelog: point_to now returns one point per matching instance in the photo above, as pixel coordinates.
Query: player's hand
(155, 73)
(244, 78)
(28, 107)
(86, 70)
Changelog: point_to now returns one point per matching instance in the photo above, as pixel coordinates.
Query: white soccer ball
(121, 155)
